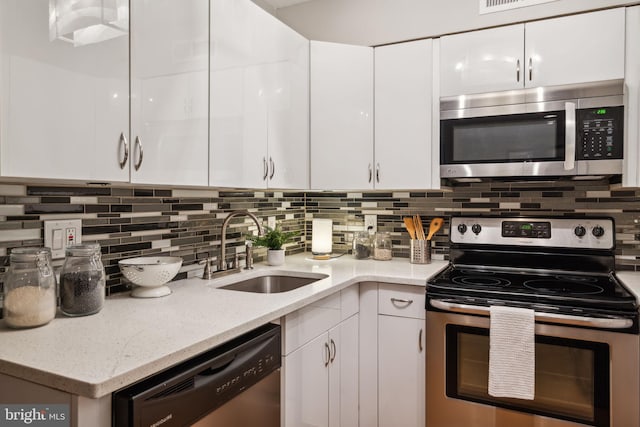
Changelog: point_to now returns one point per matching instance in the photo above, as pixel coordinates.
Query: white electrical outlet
(62, 233)
(371, 221)
(271, 222)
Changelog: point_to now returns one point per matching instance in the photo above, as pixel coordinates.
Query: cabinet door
(64, 91)
(169, 74)
(306, 384)
(287, 93)
(343, 374)
(482, 61)
(403, 79)
(631, 171)
(401, 372)
(576, 49)
(341, 116)
(240, 54)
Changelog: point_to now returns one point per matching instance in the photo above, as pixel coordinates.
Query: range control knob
(476, 228)
(580, 231)
(597, 231)
(462, 228)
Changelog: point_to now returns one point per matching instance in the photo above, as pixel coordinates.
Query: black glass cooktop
(602, 291)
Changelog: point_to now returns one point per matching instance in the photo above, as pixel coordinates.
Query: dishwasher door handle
(561, 319)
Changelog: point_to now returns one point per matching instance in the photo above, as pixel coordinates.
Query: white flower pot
(275, 256)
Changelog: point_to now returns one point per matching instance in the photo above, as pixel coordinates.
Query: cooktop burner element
(566, 266)
(481, 281)
(555, 286)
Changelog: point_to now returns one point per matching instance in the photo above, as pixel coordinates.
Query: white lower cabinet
(401, 372)
(392, 355)
(320, 371)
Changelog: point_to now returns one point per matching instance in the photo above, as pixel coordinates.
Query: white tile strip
(21, 234)
(13, 190)
(11, 210)
(178, 192)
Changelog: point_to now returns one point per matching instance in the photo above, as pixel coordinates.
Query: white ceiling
(277, 4)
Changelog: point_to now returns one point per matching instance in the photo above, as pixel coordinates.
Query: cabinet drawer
(307, 323)
(401, 300)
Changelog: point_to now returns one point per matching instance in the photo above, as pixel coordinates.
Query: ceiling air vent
(490, 6)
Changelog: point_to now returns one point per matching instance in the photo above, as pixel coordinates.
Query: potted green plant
(273, 239)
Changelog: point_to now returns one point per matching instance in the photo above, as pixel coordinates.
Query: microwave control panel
(599, 133)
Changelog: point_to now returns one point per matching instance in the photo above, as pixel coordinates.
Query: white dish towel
(512, 352)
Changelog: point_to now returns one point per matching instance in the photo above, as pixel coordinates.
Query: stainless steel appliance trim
(442, 411)
(580, 91)
(563, 319)
(562, 232)
(570, 136)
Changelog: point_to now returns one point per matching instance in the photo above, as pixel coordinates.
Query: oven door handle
(563, 319)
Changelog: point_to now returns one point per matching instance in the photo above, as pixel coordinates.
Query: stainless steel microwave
(572, 130)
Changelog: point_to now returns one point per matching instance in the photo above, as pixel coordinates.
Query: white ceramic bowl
(150, 274)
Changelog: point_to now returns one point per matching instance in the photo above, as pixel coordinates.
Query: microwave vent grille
(491, 6)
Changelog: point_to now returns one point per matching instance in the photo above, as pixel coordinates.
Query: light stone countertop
(132, 338)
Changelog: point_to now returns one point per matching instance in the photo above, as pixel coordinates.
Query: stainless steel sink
(272, 284)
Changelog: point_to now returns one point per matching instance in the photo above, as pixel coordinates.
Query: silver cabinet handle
(273, 167)
(370, 173)
(327, 353)
(570, 136)
(518, 70)
(333, 348)
(123, 142)
(406, 302)
(530, 68)
(378, 173)
(265, 169)
(140, 149)
(563, 319)
(420, 348)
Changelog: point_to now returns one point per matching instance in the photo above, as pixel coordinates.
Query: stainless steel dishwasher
(236, 384)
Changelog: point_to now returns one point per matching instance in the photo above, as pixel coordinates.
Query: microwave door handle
(570, 136)
(564, 319)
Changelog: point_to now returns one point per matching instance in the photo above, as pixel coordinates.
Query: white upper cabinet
(259, 107)
(403, 118)
(482, 61)
(573, 49)
(64, 92)
(631, 165)
(341, 116)
(169, 87)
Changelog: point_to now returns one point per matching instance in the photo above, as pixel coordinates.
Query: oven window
(571, 379)
(503, 139)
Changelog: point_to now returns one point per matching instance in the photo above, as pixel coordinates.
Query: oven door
(583, 377)
(518, 144)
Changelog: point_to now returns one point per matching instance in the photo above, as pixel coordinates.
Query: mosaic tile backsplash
(129, 221)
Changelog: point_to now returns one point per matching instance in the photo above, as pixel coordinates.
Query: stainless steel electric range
(587, 344)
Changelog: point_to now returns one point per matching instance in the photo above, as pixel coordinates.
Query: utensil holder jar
(420, 251)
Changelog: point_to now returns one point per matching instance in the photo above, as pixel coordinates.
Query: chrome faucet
(223, 243)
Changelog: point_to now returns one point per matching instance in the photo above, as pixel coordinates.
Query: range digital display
(533, 230)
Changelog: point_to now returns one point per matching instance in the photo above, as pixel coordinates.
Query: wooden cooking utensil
(408, 223)
(417, 221)
(436, 224)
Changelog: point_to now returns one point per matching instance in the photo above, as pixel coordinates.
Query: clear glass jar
(382, 246)
(82, 280)
(29, 288)
(361, 245)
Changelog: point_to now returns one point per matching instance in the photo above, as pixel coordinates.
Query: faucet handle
(207, 274)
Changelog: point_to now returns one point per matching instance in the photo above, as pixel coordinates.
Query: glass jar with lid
(82, 280)
(382, 246)
(29, 288)
(361, 245)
